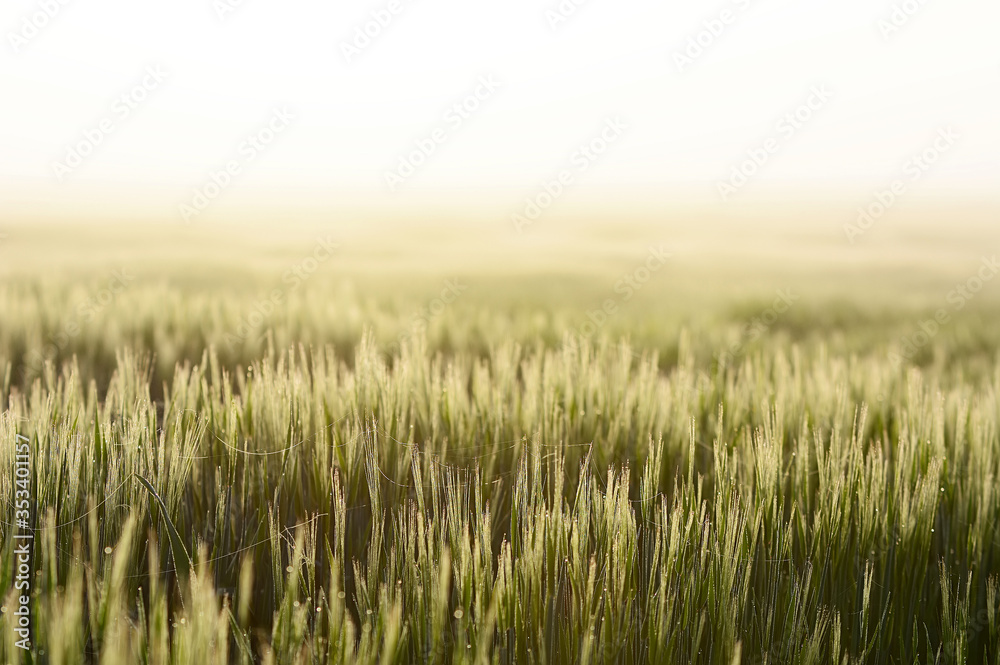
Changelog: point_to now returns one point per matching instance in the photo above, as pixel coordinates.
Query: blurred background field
(194, 287)
(432, 447)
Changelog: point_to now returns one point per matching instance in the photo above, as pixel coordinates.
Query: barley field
(349, 446)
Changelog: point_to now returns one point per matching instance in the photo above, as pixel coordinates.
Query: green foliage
(510, 500)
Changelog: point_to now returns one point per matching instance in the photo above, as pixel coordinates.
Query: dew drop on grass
(107, 550)
(459, 613)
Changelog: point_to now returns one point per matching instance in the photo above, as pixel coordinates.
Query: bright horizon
(200, 81)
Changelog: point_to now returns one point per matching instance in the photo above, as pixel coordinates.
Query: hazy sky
(289, 99)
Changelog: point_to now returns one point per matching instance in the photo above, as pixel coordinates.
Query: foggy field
(357, 446)
(521, 333)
